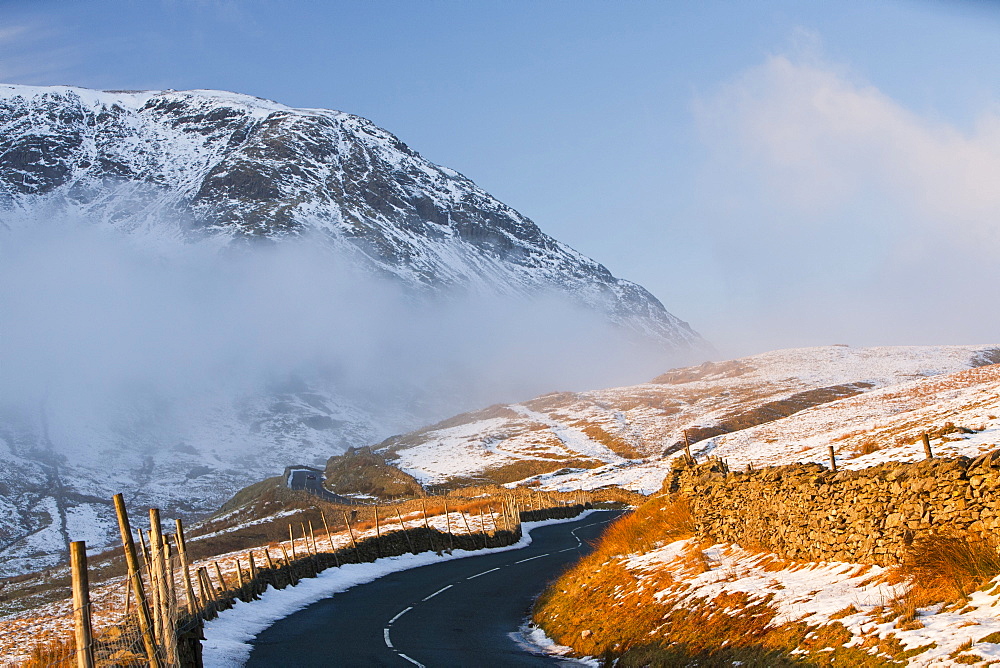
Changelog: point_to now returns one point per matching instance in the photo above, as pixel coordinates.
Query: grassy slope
(605, 606)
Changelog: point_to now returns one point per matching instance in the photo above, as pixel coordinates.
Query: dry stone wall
(806, 511)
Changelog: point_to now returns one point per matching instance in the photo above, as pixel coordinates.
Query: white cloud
(821, 138)
(829, 197)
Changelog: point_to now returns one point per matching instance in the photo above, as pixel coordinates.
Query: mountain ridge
(245, 168)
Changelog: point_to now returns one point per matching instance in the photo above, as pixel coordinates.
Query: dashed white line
(385, 631)
(401, 613)
(473, 577)
(530, 558)
(427, 598)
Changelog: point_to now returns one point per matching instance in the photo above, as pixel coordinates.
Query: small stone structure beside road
(808, 512)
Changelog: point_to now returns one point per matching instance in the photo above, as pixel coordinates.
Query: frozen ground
(819, 592)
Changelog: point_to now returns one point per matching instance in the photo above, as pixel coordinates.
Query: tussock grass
(658, 521)
(56, 651)
(949, 567)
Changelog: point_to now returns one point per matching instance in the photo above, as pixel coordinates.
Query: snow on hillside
(619, 435)
(818, 593)
(881, 425)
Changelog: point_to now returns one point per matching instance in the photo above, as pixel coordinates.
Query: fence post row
(166, 640)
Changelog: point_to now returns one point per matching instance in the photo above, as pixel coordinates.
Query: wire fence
(154, 616)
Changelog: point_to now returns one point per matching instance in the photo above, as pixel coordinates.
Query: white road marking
(472, 577)
(530, 558)
(437, 592)
(385, 631)
(403, 612)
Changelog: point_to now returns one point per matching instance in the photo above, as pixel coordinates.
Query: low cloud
(92, 318)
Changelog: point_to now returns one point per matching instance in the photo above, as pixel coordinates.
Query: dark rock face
(248, 168)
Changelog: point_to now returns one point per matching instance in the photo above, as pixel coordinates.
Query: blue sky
(778, 173)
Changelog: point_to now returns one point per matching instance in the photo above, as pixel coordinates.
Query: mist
(94, 320)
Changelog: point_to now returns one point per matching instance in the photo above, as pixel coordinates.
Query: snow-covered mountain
(197, 163)
(220, 175)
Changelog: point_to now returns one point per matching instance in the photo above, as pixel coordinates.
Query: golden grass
(613, 442)
(521, 469)
(57, 652)
(654, 523)
(949, 567)
(602, 608)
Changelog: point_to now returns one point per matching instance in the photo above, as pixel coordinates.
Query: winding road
(464, 612)
(312, 482)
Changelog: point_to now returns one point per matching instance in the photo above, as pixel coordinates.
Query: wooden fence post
(224, 586)
(145, 558)
(927, 447)
(467, 529)
(153, 575)
(833, 460)
(409, 543)
(447, 519)
(205, 587)
(357, 556)
(482, 528)
(132, 561)
(171, 611)
(305, 539)
(81, 605)
(168, 637)
(329, 538)
(288, 565)
(185, 566)
(291, 539)
(427, 526)
(687, 448)
(128, 596)
(312, 539)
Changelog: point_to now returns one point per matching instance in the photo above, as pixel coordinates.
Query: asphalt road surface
(313, 483)
(453, 613)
